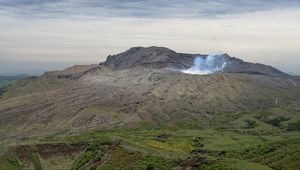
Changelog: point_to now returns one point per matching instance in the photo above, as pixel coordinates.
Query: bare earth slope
(88, 98)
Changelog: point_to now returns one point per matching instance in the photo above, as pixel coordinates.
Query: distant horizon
(38, 36)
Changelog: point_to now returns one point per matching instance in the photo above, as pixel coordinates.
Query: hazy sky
(40, 35)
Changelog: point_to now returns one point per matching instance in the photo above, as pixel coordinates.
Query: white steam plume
(207, 65)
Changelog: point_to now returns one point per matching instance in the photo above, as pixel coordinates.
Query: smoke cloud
(207, 65)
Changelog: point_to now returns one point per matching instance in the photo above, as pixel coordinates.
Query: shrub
(250, 124)
(94, 150)
(35, 159)
(149, 167)
(294, 126)
(14, 162)
(277, 120)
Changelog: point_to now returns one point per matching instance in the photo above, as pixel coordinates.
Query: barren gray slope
(161, 57)
(125, 98)
(129, 90)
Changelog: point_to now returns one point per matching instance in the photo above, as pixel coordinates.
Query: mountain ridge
(162, 57)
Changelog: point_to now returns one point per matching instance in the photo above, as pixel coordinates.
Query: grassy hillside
(260, 139)
(142, 148)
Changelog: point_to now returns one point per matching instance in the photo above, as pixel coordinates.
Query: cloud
(138, 8)
(69, 32)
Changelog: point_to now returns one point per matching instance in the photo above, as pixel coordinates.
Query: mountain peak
(162, 57)
(153, 57)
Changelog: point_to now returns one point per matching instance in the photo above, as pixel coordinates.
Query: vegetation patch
(9, 162)
(196, 162)
(163, 137)
(250, 124)
(274, 116)
(94, 152)
(277, 155)
(235, 164)
(175, 144)
(52, 149)
(121, 159)
(35, 159)
(294, 126)
(277, 120)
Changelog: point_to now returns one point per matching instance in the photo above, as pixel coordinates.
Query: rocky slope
(137, 87)
(159, 57)
(151, 57)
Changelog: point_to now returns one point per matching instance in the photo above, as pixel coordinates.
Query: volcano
(139, 85)
(148, 88)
